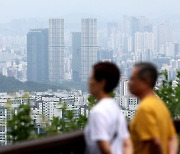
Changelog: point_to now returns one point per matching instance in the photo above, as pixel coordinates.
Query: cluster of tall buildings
(138, 39)
(53, 57)
(46, 52)
(138, 34)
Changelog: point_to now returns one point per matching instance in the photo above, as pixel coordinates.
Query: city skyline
(132, 40)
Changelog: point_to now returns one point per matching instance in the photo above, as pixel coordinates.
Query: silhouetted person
(106, 131)
(152, 129)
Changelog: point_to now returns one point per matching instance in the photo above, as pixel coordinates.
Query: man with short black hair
(152, 129)
(106, 131)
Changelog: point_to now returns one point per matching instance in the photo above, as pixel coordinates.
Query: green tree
(82, 121)
(67, 123)
(20, 125)
(170, 93)
(54, 126)
(92, 101)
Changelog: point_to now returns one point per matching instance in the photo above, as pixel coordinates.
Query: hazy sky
(10, 9)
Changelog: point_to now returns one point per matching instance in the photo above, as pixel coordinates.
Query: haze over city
(107, 9)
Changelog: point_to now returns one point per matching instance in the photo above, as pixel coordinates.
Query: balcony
(71, 143)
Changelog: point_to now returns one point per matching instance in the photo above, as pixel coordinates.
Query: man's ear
(147, 81)
(103, 83)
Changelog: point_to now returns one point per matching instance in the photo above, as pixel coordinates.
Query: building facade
(56, 50)
(37, 55)
(88, 46)
(76, 56)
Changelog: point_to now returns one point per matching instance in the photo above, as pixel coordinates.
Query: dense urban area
(47, 66)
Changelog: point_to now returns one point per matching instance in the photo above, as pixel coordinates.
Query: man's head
(143, 78)
(104, 78)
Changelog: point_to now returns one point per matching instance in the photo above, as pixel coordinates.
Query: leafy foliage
(92, 101)
(61, 126)
(170, 93)
(20, 125)
(67, 123)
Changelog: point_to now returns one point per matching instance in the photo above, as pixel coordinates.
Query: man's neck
(103, 95)
(146, 94)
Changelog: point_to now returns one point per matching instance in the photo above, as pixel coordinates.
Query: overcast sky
(14, 9)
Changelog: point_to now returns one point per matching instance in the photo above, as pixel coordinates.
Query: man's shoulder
(98, 108)
(104, 106)
(98, 111)
(152, 104)
(149, 102)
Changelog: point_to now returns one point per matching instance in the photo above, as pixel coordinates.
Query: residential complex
(47, 105)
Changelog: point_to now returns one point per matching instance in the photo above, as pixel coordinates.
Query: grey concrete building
(37, 55)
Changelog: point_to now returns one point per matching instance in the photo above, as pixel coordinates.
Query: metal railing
(71, 143)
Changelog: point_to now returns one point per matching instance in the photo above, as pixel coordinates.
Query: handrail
(71, 143)
(177, 125)
(61, 144)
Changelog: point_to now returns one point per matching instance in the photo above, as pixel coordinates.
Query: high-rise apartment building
(177, 49)
(88, 46)
(56, 50)
(76, 56)
(105, 55)
(111, 29)
(132, 25)
(37, 55)
(164, 35)
(144, 41)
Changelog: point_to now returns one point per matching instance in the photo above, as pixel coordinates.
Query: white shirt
(106, 120)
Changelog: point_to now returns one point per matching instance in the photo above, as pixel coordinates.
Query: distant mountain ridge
(10, 84)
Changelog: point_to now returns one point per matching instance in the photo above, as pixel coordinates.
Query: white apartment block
(144, 41)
